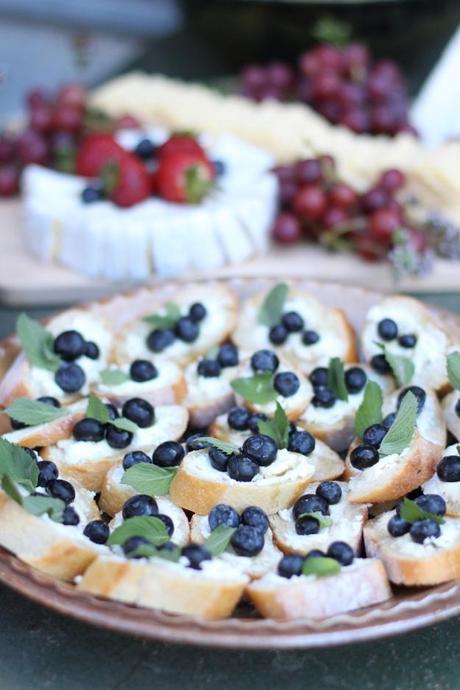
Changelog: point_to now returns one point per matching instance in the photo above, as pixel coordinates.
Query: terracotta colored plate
(407, 610)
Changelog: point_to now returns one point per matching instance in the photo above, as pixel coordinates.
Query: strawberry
(184, 177)
(180, 143)
(126, 182)
(96, 151)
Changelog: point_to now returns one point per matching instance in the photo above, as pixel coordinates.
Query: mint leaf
(225, 446)
(10, 488)
(403, 367)
(113, 377)
(36, 505)
(97, 410)
(277, 428)
(150, 551)
(149, 479)
(18, 465)
(453, 369)
(411, 512)
(151, 528)
(219, 539)
(257, 389)
(402, 430)
(37, 343)
(320, 566)
(33, 412)
(370, 410)
(124, 424)
(336, 378)
(272, 306)
(167, 320)
(324, 520)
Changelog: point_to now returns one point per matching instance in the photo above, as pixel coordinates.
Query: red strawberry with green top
(184, 177)
(180, 143)
(96, 151)
(127, 181)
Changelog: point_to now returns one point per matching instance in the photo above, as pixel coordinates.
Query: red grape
(325, 85)
(287, 229)
(304, 90)
(285, 173)
(329, 57)
(374, 199)
(392, 180)
(32, 147)
(308, 171)
(287, 192)
(7, 148)
(254, 77)
(356, 58)
(357, 120)
(310, 202)
(40, 118)
(67, 118)
(9, 180)
(383, 223)
(333, 217)
(280, 75)
(127, 122)
(342, 196)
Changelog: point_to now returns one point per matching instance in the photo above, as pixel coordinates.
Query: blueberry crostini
(446, 480)
(42, 422)
(173, 518)
(319, 517)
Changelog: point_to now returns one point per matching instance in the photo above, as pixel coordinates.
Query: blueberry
(17, 425)
(112, 410)
(134, 458)
(118, 438)
(241, 468)
(254, 420)
(142, 370)
(48, 400)
(420, 397)
(70, 377)
(247, 541)
(238, 419)
(408, 341)
(319, 376)
(140, 504)
(290, 565)
(315, 553)
(398, 527)
(139, 411)
(192, 442)
(70, 345)
(363, 457)
(222, 514)
(265, 360)
(374, 435)
(145, 149)
(448, 469)
(209, 368)
(341, 552)
(91, 194)
(60, 488)
(219, 168)
(196, 554)
(91, 350)
(278, 334)
(423, 529)
(292, 321)
(310, 503)
(218, 459)
(286, 383)
(387, 329)
(159, 339)
(197, 312)
(47, 472)
(88, 429)
(168, 454)
(186, 330)
(70, 516)
(432, 503)
(228, 355)
(380, 365)
(323, 397)
(132, 544)
(310, 338)
(255, 517)
(415, 493)
(306, 525)
(167, 522)
(97, 531)
(301, 442)
(388, 421)
(330, 491)
(355, 379)
(260, 448)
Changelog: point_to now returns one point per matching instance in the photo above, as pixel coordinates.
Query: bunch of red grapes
(315, 205)
(343, 84)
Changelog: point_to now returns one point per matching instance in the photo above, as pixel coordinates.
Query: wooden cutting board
(28, 282)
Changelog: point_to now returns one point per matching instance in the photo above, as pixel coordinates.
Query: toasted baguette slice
(409, 563)
(335, 425)
(337, 338)
(43, 435)
(326, 462)
(55, 549)
(221, 305)
(347, 525)
(208, 397)
(396, 475)
(211, 592)
(255, 566)
(363, 583)
(198, 487)
(413, 317)
(450, 415)
(450, 491)
(88, 463)
(168, 388)
(181, 534)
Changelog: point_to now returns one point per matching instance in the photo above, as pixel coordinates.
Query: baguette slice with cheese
(208, 397)
(450, 491)
(43, 435)
(181, 534)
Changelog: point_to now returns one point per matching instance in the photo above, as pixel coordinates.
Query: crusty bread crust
(15, 382)
(44, 435)
(320, 597)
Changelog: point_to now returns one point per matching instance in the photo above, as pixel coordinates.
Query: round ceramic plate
(407, 610)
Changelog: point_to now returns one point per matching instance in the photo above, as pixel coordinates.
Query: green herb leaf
(33, 412)
(224, 446)
(336, 378)
(36, 505)
(18, 465)
(257, 389)
(320, 566)
(166, 320)
(324, 520)
(411, 512)
(272, 306)
(9, 487)
(97, 410)
(277, 428)
(149, 479)
(453, 369)
(370, 410)
(403, 367)
(37, 343)
(219, 539)
(113, 377)
(124, 424)
(151, 528)
(402, 430)
(150, 551)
